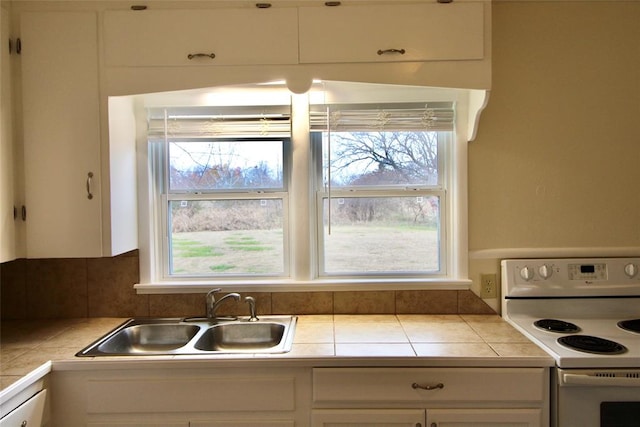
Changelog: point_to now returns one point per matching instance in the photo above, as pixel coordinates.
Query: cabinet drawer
(331, 385)
(192, 394)
(167, 37)
(426, 32)
(30, 413)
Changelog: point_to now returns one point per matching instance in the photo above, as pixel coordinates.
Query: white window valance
(219, 122)
(384, 117)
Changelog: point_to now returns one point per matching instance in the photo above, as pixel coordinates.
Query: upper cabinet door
(215, 37)
(7, 193)
(389, 33)
(61, 121)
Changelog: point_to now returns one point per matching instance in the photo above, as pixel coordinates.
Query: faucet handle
(213, 291)
(252, 308)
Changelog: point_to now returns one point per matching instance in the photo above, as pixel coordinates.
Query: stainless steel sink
(146, 337)
(241, 337)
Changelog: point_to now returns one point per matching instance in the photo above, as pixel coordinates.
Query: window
(382, 192)
(221, 177)
(364, 190)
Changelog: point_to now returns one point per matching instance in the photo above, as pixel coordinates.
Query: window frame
(167, 195)
(444, 140)
(304, 274)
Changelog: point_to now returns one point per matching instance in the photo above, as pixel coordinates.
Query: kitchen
(552, 171)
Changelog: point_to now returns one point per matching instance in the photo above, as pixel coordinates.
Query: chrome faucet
(213, 304)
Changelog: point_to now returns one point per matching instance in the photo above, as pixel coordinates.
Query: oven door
(597, 398)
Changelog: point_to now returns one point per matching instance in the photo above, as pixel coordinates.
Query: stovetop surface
(594, 294)
(605, 328)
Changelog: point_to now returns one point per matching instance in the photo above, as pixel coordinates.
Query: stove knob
(545, 271)
(630, 270)
(526, 273)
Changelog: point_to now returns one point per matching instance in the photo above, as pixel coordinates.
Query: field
(349, 249)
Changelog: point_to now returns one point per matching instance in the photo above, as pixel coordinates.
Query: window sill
(329, 285)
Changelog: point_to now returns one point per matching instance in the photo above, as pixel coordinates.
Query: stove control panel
(595, 271)
(571, 277)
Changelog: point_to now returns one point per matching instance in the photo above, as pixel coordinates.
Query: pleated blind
(219, 122)
(382, 117)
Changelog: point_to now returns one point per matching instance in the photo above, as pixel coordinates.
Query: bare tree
(385, 157)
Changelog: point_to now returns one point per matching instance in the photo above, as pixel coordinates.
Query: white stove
(584, 312)
(591, 295)
(597, 318)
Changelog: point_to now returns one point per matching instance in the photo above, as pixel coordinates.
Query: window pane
(222, 165)
(382, 158)
(232, 237)
(382, 234)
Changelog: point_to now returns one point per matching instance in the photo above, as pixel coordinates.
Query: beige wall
(556, 162)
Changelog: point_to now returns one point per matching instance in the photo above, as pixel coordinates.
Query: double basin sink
(196, 336)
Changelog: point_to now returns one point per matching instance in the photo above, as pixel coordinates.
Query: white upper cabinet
(61, 121)
(208, 37)
(7, 194)
(389, 33)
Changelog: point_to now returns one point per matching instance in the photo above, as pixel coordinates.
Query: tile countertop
(327, 340)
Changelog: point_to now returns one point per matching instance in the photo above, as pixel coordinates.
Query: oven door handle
(603, 381)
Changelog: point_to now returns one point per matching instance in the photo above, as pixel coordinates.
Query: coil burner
(590, 344)
(632, 325)
(555, 325)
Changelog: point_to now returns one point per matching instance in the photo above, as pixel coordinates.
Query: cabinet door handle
(416, 386)
(201, 55)
(89, 182)
(388, 51)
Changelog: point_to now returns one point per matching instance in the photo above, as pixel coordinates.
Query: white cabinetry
(169, 37)
(203, 397)
(29, 414)
(383, 33)
(26, 401)
(445, 397)
(7, 191)
(67, 187)
(484, 417)
(61, 133)
(430, 417)
(368, 417)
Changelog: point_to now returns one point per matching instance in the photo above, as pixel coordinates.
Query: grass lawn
(349, 248)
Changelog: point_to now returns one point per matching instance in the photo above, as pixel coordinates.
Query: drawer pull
(387, 51)
(416, 386)
(201, 55)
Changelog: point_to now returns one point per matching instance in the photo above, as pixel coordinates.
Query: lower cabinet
(189, 423)
(368, 417)
(485, 417)
(168, 395)
(430, 397)
(174, 397)
(30, 413)
(429, 417)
